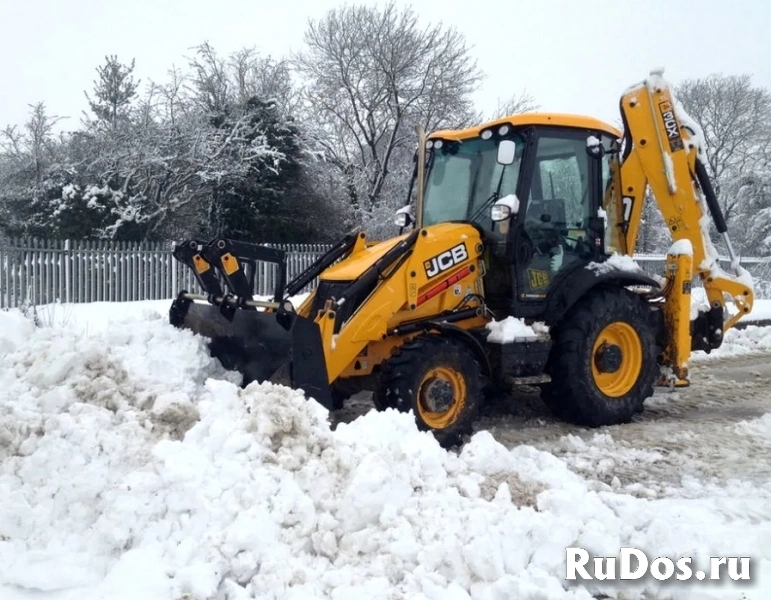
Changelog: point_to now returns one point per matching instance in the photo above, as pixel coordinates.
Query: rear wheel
(604, 360)
(439, 380)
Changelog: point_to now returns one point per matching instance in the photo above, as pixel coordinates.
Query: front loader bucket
(253, 342)
(277, 344)
(283, 348)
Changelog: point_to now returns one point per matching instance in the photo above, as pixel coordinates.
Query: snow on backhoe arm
(664, 148)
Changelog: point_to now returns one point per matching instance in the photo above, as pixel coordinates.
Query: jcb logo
(445, 260)
(538, 278)
(670, 124)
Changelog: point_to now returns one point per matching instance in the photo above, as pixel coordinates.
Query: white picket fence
(48, 271)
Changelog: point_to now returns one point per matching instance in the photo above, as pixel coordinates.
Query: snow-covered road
(718, 429)
(130, 467)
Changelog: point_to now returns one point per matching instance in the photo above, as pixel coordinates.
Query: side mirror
(594, 147)
(504, 208)
(507, 152)
(403, 218)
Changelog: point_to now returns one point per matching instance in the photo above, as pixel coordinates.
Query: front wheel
(439, 380)
(604, 360)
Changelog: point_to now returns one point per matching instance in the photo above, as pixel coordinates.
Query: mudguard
(578, 282)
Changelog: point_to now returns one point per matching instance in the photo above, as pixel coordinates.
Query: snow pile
(94, 317)
(759, 428)
(602, 454)
(739, 342)
(13, 332)
(512, 329)
(616, 262)
(131, 468)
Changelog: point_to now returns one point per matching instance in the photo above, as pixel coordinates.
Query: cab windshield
(462, 181)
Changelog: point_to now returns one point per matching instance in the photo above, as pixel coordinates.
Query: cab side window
(559, 209)
(562, 179)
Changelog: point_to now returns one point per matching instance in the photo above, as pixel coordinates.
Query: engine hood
(352, 267)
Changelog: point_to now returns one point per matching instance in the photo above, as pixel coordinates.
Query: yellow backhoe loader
(513, 265)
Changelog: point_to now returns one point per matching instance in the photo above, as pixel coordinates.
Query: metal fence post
(67, 271)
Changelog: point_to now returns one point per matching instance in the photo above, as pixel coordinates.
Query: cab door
(553, 233)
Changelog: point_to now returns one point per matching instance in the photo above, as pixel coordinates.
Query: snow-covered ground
(132, 466)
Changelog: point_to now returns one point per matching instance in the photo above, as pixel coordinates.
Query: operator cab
(533, 185)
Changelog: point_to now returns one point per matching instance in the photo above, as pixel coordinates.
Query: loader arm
(663, 149)
(407, 280)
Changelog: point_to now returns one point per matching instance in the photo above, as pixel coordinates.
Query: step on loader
(513, 265)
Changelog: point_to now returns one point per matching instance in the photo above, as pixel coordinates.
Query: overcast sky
(571, 55)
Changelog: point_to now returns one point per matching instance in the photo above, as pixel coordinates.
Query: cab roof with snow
(532, 118)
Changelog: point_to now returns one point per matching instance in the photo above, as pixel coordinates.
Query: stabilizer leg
(677, 315)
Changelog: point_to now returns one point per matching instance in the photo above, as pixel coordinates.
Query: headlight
(402, 219)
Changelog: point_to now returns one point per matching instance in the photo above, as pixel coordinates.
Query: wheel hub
(437, 395)
(616, 359)
(608, 358)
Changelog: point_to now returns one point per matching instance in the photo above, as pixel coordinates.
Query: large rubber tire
(338, 398)
(585, 389)
(380, 394)
(434, 369)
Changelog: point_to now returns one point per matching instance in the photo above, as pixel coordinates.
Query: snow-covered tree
(213, 150)
(32, 167)
(216, 83)
(654, 236)
(752, 194)
(371, 75)
(735, 115)
(114, 90)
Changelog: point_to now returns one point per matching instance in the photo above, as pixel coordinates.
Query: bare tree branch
(735, 116)
(516, 104)
(371, 74)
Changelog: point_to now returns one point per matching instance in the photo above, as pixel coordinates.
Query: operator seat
(549, 212)
(546, 222)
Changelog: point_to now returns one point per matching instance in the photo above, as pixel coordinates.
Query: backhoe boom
(663, 148)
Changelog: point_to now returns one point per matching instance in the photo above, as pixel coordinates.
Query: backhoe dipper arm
(664, 148)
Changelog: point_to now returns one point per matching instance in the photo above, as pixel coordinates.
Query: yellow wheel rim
(617, 359)
(441, 397)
